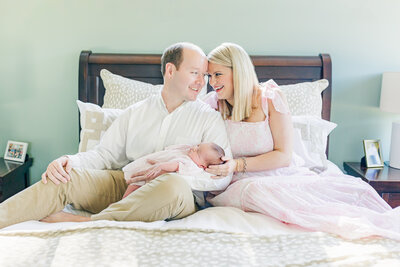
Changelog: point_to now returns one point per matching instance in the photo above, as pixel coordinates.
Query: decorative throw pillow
(305, 98)
(310, 139)
(122, 92)
(94, 122)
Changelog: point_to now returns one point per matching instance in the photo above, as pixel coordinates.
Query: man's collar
(184, 103)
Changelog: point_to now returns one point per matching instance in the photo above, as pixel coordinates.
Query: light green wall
(40, 42)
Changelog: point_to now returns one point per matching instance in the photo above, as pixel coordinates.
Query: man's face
(189, 79)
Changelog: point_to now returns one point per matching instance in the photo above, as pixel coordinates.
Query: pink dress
(333, 203)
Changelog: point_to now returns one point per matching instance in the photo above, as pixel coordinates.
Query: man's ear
(169, 69)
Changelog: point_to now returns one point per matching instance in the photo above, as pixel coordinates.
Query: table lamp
(390, 102)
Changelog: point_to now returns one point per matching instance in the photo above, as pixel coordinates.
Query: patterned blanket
(110, 245)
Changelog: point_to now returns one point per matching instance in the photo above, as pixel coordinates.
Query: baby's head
(205, 154)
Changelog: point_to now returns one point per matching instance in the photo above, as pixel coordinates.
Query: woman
(266, 178)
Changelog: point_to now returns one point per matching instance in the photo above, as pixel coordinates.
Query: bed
(217, 236)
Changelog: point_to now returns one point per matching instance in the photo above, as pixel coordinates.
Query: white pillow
(305, 98)
(122, 92)
(94, 122)
(310, 139)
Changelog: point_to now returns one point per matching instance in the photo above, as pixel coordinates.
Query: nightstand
(14, 177)
(385, 180)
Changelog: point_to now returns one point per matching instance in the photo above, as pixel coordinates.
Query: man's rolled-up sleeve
(110, 153)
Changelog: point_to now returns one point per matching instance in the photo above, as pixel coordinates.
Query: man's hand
(153, 172)
(58, 171)
(146, 175)
(222, 170)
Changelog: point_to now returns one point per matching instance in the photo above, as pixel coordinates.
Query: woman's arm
(281, 156)
(282, 134)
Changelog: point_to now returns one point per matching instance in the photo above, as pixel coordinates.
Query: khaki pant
(166, 197)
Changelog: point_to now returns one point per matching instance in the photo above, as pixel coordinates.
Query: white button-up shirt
(147, 127)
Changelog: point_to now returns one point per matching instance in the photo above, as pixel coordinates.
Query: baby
(183, 159)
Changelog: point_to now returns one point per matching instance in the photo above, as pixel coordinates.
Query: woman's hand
(222, 170)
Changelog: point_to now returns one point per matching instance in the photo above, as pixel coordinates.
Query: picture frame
(16, 151)
(373, 154)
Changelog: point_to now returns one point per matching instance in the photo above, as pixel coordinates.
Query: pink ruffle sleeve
(270, 90)
(212, 99)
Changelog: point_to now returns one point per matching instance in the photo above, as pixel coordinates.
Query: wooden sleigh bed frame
(146, 67)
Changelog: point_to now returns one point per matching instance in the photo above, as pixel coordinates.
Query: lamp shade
(390, 92)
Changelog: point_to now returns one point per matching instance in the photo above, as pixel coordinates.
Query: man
(87, 180)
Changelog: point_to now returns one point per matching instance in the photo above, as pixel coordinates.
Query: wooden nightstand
(386, 180)
(14, 177)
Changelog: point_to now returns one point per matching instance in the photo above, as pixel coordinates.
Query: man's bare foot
(64, 217)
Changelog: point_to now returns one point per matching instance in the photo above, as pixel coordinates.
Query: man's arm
(158, 168)
(109, 154)
(215, 132)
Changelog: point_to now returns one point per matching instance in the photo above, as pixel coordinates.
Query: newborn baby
(183, 159)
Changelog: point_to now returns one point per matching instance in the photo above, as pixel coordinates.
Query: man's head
(183, 66)
(206, 154)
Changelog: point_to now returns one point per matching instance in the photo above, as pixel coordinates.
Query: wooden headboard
(283, 69)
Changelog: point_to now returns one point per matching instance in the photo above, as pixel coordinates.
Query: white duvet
(227, 219)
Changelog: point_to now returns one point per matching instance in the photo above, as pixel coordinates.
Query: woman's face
(221, 79)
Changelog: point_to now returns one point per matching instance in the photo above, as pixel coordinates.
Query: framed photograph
(16, 151)
(373, 155)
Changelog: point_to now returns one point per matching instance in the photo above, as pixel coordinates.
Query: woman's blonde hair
(244, 80)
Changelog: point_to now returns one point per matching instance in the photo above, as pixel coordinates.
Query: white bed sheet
(227, 219)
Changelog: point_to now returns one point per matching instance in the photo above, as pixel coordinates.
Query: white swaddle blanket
(196, 177)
